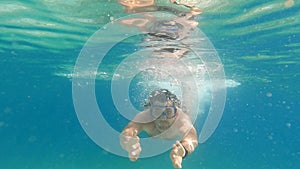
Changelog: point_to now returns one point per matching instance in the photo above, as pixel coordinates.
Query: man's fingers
(177, 165)
(135, 132)
(135, 146)
(177, 154)
(133, 158)
(174, 146)
(176, 160)
(134, 154)
(132, 145)
(175, 151)
(130, 142)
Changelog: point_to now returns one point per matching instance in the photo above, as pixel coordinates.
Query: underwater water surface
(258, 43)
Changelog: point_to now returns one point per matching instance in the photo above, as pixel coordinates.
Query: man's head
(162, 105)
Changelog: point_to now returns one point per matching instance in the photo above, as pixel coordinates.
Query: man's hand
(131, 143)
(177, 153)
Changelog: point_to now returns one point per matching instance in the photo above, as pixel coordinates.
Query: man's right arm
(130, 141)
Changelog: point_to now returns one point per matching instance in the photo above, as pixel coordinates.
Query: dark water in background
(258, 43)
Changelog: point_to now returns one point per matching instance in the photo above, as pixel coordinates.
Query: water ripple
(243, 31)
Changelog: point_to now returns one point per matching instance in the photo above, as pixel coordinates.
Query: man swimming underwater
(162, 116)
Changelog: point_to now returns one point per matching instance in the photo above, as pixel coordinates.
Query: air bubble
(269, 94)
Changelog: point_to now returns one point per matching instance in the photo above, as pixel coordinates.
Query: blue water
(257, 41)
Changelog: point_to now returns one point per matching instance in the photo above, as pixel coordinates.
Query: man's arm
(190, 141)
(183, 148)
(130, 142)
(132, 129)
(129, 139)
(138, 124)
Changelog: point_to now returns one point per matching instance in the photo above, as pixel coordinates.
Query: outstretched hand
(131, 143)
(176, 154)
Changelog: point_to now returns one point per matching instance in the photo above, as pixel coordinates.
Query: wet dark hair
(162, 95)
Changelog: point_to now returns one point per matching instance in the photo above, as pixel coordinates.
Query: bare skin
(164, 128)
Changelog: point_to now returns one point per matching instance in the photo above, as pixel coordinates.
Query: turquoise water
(257, 41)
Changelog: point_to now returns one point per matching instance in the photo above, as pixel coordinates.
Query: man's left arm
(183, 148)
(190, 141)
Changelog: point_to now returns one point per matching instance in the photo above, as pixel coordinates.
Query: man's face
(164, 114)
